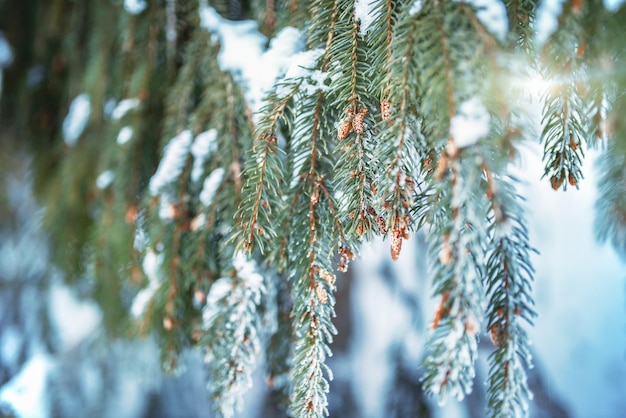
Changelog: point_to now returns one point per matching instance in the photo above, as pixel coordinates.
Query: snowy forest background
(56, 359)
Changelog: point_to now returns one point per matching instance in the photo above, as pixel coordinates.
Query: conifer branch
(509, 277)
(521, 14)
(261, 192)
(564, 120)
(357, 161)
(360, 142)
(232, 335)
(313, 281)
(457, 263)
(457, 208)
(400, 134)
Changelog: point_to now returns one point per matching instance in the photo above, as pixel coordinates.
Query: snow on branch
(171, 166)
(76, 120)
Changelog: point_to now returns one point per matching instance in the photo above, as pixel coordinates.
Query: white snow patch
(211, 184)
(134, 7)
(365, 12)
(247, 270)
(125, 135)
(26, 391)
(303, 63)
(123, 107)
(470, 123)
(222, 287)
(151, 264)
(76, 119)
(546, 21)
(243, 53)
(73, 319)
(105, 179)
(173, 161)
(492, 14)
(203, 147)
(613, 5)
(239, 296)
(416, 7)
(242, 46)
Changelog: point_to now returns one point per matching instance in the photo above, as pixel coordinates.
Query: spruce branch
(313, 282)
(400, 135)
(610, 219)
(456, 203)
(509, 277)
(357, 161)
(456, 252)
(521, 14)
(232, 328)
(362, 141)
(564, 120)
(261, 191)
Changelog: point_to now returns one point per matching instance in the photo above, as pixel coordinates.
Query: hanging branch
(564, 122)
(457, 203)
(357, 164)
(313, 282)
(233, 332)
(509, 277)
(400, 136)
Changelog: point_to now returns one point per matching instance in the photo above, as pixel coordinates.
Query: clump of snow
(211, 184)
(105, 179)
(151, 265)
(125, 135)
(242, 47)
(302, 70)
(134, 7)
(225, 287)
(547, 19)
(203, 147)
(470, 123)
(365, 12)
(243, 53)
(492, 14)
(247, 270)
(302, 64)
(282, 48)
(173, 161)
(416, 7)
(76, 120)
(26, 391)
(123, 107)
(219, 290)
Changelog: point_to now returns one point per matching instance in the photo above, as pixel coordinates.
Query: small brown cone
(396, 243)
